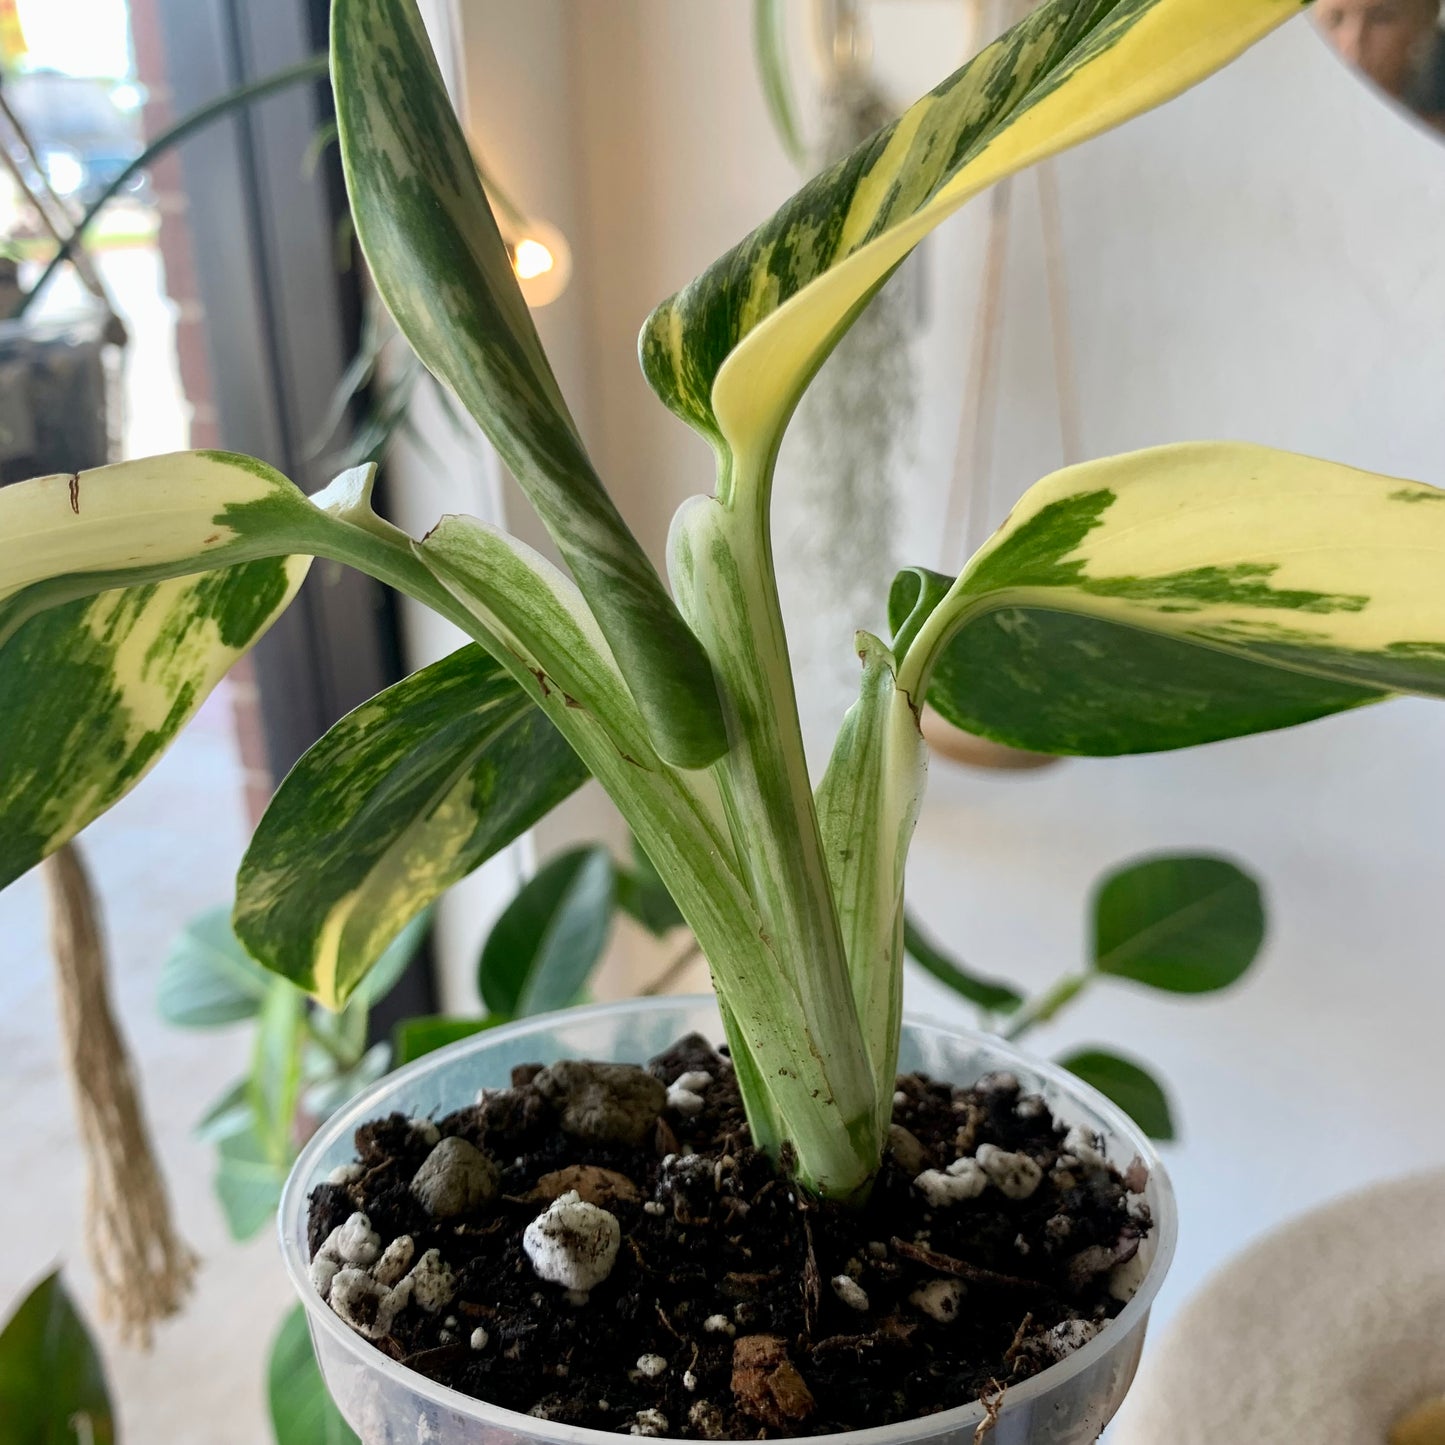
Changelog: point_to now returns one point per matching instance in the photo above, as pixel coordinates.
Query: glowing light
(530, 259)
(541, 261)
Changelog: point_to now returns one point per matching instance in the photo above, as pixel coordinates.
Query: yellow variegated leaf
(105, 651)
(731, 353)
(400, 799)
(1180, 595)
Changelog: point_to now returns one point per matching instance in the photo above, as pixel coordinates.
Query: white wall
(1262, 260)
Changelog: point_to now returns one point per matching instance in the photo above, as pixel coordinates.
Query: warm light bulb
(530, 259)
(541, 262)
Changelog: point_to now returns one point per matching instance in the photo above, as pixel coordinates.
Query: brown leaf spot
(75, 493)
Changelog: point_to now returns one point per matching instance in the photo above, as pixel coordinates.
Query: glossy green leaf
(987, 993)
(1181, 595)
(414, 1037)
(1181, 923)
(1136, 1091)
(732, 352)
(643, 896)
(52, 1382)
(550, 937)
(443, 270)
(208, 979)
(400, 799)
(248, 1183)
(302, 1412)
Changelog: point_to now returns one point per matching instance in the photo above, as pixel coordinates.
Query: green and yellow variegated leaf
(1181, 595)
(444, 272)
(731, 353)
(67, 537)
(97, 677)
(399, 800)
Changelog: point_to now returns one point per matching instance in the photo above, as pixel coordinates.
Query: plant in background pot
(1156, 600)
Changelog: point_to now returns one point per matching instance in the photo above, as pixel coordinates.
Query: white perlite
(573, 1243)
(395, 1260)
(1125, 1278)
(324, 1269)
(480, 1338)
(1084, 1146)
(368, 1307)
(432, 1282)
(455, 1178)
(719, 1325)
(963, 1179)
(651, 1366)
(1015, 1176)
(939, 1299)
(354, 1242)
(345, 1174)
(850, 1292)
(648, 1422)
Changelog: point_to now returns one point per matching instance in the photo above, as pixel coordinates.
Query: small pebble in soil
(455, 1178)
(573, 1243)
(480, 1338)
(605, 1103)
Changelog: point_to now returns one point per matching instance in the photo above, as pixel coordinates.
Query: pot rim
(291, 1220)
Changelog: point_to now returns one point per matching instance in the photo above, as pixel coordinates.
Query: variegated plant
(1149, 601)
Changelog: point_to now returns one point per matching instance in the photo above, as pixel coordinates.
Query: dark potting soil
(735, 1307)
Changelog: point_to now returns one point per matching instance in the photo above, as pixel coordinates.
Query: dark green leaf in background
(1177, 922)
(643, 896)
(550, 937)
(52, 1384)
(986, 993)
(1129, 1085)
(302, 1412)
(418, 1036)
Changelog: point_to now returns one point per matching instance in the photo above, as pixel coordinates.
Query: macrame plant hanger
(970, 515)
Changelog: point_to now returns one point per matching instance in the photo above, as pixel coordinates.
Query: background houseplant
(1240, 591)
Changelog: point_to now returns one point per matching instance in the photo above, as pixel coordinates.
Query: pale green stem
(768, 798)
(1042, 1008)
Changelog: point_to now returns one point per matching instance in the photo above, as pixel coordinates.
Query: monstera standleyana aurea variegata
(1149, 601)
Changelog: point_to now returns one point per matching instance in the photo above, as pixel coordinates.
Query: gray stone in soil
(455, 1178)
(603, 1103)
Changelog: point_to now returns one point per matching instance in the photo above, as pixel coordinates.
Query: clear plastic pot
(387, 1404)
